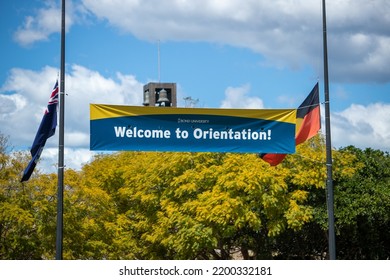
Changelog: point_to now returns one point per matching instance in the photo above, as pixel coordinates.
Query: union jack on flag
(53, 97)
(46, 129)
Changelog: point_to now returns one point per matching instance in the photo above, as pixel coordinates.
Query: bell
(162, 96)
(146, 98)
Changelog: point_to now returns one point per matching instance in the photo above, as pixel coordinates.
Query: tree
(138, 205)
(209, 205)
(361, 198)
(363, 207)
(18, 232)
(28, 213)
(88, 216)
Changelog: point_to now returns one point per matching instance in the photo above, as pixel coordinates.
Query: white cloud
(43, 23)
(26, 93)
(10, 104)
(85, 86)
(73, 159)
(362, 126)
(236, 97)
(286, 33)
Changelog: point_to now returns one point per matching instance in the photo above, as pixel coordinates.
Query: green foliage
(363, 203)
(19, 238)
(137, 205)
(362, 207)
(202, 205)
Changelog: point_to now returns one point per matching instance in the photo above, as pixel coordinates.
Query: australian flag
(46, 129)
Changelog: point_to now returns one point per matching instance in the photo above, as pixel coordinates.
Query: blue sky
(230, 54)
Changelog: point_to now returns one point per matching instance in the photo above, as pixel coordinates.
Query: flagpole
(329, 180)
(60, 189)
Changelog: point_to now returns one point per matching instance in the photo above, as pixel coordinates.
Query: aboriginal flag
(46, 129)
(307, 125)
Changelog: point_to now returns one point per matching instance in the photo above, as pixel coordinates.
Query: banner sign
(133, 128)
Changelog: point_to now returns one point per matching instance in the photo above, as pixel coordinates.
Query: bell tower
(160, 94)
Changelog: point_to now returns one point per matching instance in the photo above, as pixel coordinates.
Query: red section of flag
(273, 159)
(307, 126)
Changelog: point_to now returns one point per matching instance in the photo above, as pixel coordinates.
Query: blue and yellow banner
(132, 128)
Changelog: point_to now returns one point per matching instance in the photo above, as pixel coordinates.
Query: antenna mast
(158, 61)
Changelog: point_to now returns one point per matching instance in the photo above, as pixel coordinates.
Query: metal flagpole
(329, 180)
(60, 189)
